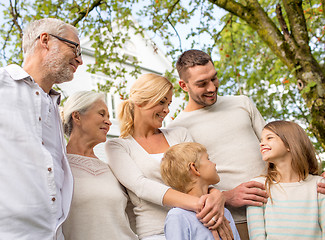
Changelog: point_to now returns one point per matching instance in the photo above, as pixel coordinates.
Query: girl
(295, 210)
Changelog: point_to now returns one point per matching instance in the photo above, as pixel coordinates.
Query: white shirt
(30, 178)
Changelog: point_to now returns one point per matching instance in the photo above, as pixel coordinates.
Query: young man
(186, 167)
(36, 181)
(229, 127)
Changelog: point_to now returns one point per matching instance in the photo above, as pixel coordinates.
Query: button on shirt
(36, 181)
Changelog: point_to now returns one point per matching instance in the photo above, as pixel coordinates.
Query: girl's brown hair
(304, 160)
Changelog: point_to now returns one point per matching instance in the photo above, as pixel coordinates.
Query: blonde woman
(135, 160)
(98, 209)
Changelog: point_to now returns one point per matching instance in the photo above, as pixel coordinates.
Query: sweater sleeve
(321, 210)
(257, 120)
(255, 223)
(130, 176)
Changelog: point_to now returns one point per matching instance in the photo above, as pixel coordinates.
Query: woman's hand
(213, 205)
(223, 231)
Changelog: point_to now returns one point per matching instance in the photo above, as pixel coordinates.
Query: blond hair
(147, 91)
(302, 151)
(175, 165)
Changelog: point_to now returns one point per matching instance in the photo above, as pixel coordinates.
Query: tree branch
(15, 15)
(85, 12)
(297, 22)
(232, 7)
(6, 41)
(282, 22)
(170, 11)
(179, 39)
(257, 18)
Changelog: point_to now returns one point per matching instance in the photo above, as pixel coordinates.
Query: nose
(79, 60)
(107, 121)
(211, 87)
(166, 109)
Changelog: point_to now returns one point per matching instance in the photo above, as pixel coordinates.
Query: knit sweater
(297, 212)
(98, 209)
(230, 129)
(140, 174)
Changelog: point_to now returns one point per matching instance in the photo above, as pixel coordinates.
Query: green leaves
(244, 60)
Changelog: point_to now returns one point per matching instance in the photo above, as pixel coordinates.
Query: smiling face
(208, 171)
(61, 62)
(154, 116)
(272, 147)
(202, 85)
(95, 122)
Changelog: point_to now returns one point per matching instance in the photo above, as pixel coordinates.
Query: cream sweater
(140, 174)
(98, 209)
(230, 129)
(297, 212)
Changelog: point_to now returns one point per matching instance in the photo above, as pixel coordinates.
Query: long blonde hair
(302, 151)
(147, 91)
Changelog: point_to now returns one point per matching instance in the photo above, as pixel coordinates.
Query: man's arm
(246, 194)
(321, 186)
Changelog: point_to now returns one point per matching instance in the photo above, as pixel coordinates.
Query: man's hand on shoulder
(321, 186)
(249, 193)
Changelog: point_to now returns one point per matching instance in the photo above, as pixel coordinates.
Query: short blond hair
(147, 91)
(175, 165)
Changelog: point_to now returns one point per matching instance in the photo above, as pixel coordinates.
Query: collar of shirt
(18, 73)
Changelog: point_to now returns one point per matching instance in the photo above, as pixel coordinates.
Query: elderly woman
(99, 201)
(135, 158)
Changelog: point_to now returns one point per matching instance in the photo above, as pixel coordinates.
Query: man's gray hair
(45, 25)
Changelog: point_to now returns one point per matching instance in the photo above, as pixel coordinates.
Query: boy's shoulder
(180, 211)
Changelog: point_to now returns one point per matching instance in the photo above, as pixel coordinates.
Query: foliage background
(245, 63)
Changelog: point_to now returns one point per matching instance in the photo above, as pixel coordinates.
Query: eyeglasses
(77, 48)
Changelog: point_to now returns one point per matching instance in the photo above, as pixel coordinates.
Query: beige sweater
(230, 130)
(98, 203)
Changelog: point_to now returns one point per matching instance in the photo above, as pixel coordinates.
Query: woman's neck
(81, 146)
(142, 131)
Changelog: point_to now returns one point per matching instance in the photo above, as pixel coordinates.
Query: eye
(201, 84)
(162, 102)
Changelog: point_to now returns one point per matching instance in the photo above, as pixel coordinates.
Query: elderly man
(36, 181)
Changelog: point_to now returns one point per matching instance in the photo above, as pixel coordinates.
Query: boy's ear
(194, 170)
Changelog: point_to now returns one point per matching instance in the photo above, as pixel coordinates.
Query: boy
(187, 168)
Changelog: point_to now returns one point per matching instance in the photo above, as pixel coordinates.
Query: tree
(270, 50)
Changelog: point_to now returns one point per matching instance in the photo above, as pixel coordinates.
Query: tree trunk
(292, 48)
